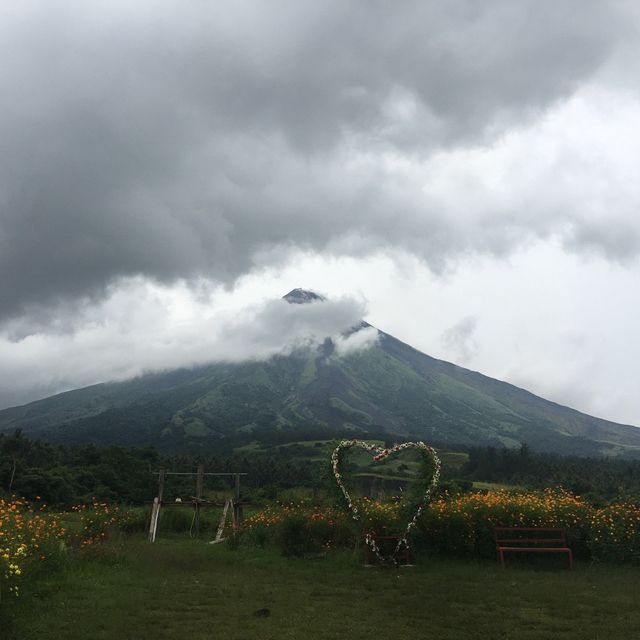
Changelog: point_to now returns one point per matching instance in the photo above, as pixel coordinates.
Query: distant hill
(389, 388)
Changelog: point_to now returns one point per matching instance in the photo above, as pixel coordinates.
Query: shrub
(134, 521)
(291, 535)
(257, 536)
(298, 529)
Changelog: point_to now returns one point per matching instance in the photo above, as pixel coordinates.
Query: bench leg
(570, 554)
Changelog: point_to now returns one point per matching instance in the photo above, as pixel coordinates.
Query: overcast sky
(463, 174)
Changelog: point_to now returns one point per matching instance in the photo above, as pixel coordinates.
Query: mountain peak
(302, 296)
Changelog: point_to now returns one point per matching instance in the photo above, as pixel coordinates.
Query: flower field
(28, 535)
(455, 525)
(464, 525)
(31, 537)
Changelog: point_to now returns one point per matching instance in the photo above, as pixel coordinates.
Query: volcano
(388, 389)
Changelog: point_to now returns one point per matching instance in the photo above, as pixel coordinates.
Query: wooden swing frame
(197, 502)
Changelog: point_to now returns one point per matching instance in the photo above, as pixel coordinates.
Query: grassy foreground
(186, 589)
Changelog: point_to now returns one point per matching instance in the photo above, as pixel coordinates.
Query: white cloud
(144, 327)
(362, 339)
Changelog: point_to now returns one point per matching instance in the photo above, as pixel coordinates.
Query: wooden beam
(153, 524)
(161, 485)
(155, 509)
(223, 520)
(196, 504)
(237, 505)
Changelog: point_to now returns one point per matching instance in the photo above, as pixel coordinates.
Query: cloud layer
(141, 327)
(177, 141)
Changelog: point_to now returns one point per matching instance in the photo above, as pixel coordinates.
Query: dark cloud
(173, 140)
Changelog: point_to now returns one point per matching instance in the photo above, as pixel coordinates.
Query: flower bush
(28, 537)
(298, 528)
(382, 518)
(464, 524)
(615, 533)
(98, 521)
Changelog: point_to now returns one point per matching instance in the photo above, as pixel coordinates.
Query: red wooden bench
(531, 540)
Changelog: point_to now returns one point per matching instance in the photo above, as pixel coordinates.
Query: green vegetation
(600, 480)
(65, 475)
(68, 474)
(176, 589)
(495, 486)
(292, 569)
(452, 525)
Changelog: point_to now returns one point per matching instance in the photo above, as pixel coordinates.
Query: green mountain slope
(389, 388)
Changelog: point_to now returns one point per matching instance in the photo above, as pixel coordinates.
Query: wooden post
(13, 474)
(237, 507)
(161, 485)
(199, 489)
(160, 496)
(199, 481)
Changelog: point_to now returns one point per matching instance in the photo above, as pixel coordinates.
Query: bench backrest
(530, 535)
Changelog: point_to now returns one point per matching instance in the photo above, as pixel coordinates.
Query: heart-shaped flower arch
(380, 454)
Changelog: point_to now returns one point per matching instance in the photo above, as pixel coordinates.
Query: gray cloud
(175, 140)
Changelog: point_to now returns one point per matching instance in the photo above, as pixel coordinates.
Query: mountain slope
(389, 388)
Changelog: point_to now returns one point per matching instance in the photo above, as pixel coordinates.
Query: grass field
(179, 588)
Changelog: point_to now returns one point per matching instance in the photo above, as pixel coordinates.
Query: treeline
(63, 474)
(599, 480)
(274, 469)
(67, 474)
